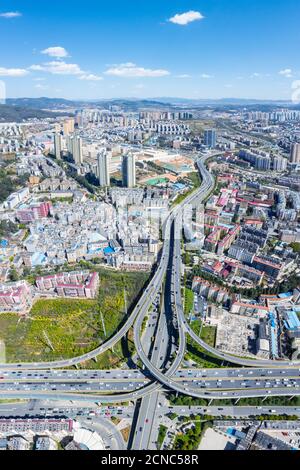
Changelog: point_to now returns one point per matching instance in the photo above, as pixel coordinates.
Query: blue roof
(292, 322)
(179, 186)
(274, 344)
(108, 250)
(285, 295)
(235, 433)
(38, 259)
(4, 243)
(272, 319)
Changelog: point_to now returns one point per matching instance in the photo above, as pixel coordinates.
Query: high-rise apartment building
(69, 126)
(128, 171)
(104, 169)
(279, 163)
(58, 145)
(77, 150)
(69, 143)
(295, 153)
(210, 138)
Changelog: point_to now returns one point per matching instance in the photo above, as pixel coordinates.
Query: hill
(23, 113)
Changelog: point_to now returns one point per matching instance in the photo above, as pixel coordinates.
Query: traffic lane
(138, 375)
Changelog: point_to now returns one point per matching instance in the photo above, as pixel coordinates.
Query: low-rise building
(73, 284)
(15, 297)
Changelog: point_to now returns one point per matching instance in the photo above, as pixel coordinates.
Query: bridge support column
(237, 401)
(210, 402)
(290, 399)
(264, 399)
(76, 365)
(96, 359)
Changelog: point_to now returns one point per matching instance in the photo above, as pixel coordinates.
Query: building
(263, 340)
(45, 443)
(85, 439)
(268, 265)
(20, 426)
(77, 150)
(69, 126)
(74, 284)
(18, 443)
(129, 171)
(104, 169)
(210, 138)
(279, 163)
(58, 145)
(34, 212)
(295, 153)
(15, 297)
(263, 163)
(3, 443)
(249, 309)
(264, 441)
(16, 198)
(291, 323)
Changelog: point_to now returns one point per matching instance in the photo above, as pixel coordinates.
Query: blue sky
(141, 48)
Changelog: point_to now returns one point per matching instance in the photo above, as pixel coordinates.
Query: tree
(13, 275)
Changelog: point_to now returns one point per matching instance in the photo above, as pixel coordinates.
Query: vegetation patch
(161, 435)
(64, 328)
(188, 301)
(191, 438)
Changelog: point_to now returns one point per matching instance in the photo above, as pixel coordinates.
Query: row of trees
(9, 184)
(287, 285)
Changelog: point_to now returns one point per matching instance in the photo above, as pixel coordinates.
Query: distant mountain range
(63, 104)
(226, 101)
(9, 113)
(18, 109)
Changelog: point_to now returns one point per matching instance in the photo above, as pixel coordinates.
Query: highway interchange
(161, 357)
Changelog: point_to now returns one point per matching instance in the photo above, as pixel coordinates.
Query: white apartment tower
(295, 153)
(128, 171)
(58, 146)
(77, 150)
(104, 169)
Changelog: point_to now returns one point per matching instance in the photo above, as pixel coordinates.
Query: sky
(96, 49)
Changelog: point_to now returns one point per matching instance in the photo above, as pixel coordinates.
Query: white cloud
(58, 67)
(91, 77)
(260, 75)
(186, 18)
(10, 14)
(41, 87)
(56, 51)
(206, 76)
(4, 72)
(184, 75)
(288, 73)
(130, 70)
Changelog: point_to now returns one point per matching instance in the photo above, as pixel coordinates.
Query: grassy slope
(72, 326)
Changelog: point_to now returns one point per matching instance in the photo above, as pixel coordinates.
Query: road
(161, 361)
